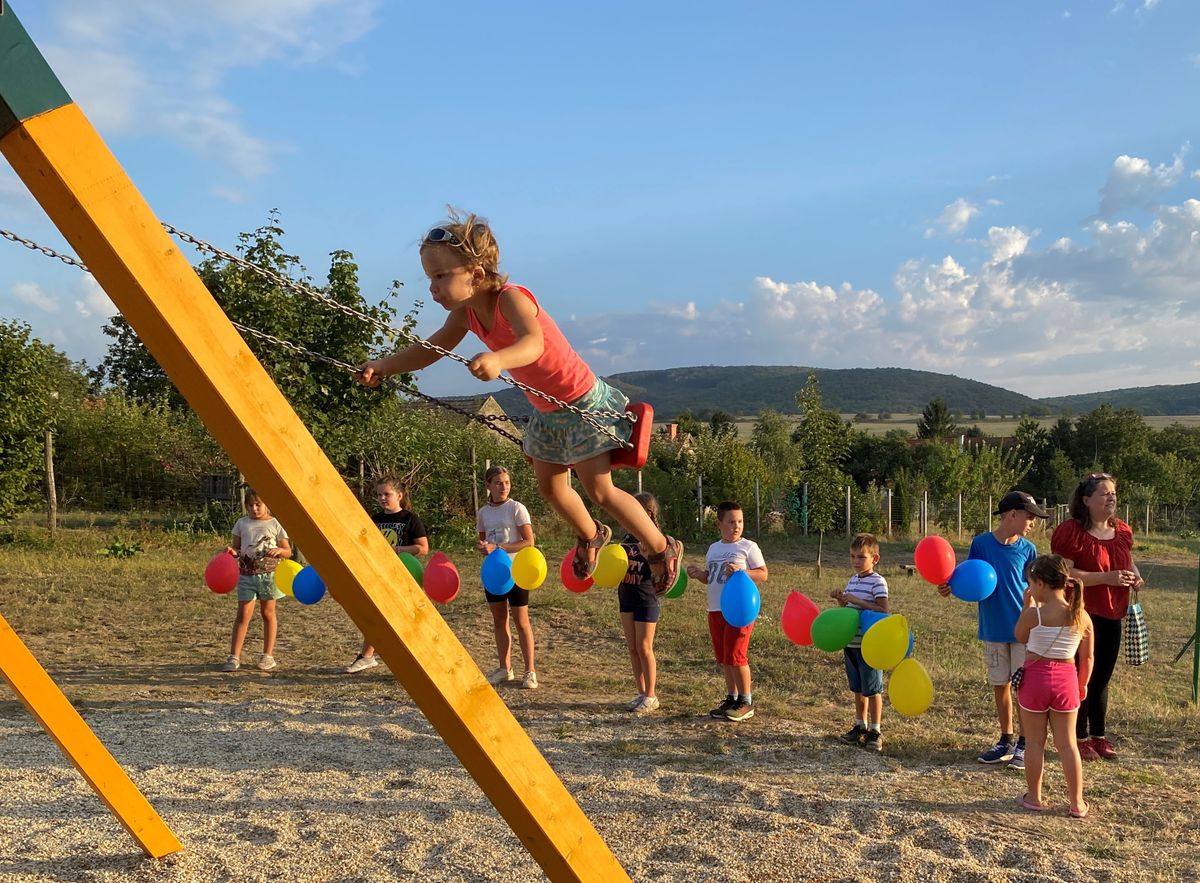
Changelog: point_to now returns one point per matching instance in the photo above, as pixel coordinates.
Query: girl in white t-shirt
(503, 523)
(259, 542)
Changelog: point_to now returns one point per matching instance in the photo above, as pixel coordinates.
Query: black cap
(1020, 500)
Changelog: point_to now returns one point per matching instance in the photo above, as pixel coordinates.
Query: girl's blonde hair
(1052, 570)
(492, 472)
(650, 504)
(472, 238)
(391, 481)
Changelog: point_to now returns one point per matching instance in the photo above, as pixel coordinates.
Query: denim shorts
(863, 679)
(257, 587)
(564, 438)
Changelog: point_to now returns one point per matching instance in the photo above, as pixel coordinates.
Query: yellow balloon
(611, 565)
(529, 568)
(285, 572)
(886, 642)
(910, 689)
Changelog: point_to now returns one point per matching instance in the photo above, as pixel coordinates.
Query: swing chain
(46, 250)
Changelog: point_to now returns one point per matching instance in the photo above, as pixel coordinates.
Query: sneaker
(999, 753)
(1103, 748)
(854, 736)
(649, 703)
(1018, 758)
(231, 664)
(360, 663)
(739, 711)
(635, 702)
(727, 703)
(529, 682)
(266, 663)
(873, 741)
(500, 675)
(1086, 751)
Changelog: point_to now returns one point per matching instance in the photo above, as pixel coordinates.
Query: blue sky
(1006, 192)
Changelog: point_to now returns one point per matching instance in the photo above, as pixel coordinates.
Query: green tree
(25, 414)
(722, 424)
(822, 440)
(771, 441)
(1106, 437)
(936, 421)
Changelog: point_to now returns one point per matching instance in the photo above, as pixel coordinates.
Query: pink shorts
(729, 644)
(1049, 685)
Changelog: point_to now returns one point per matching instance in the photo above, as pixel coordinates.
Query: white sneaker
(649, 703)
(231, 664)
(360, 663)
(529, 682)
(500, 675)
(266, 663)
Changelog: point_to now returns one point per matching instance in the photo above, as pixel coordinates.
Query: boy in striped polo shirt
(866, 590)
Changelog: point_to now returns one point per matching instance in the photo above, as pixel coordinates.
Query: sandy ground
(267, 789)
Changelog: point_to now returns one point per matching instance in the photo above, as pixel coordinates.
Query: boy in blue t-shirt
(1007, 550)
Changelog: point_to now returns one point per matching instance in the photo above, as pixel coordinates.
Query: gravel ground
(365, 791)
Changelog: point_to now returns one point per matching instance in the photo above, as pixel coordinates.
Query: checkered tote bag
(1137, 639)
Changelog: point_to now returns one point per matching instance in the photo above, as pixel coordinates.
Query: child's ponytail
(1075, 587)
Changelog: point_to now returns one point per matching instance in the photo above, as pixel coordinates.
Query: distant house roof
(483, 405)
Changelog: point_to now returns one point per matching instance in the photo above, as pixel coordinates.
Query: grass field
(138, 641)
(992, 426)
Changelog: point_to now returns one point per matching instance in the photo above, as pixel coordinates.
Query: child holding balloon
(731, 553)
(259, 542)
(640, 606)
(503, 523)
(865, 590)
(1010, 554)
(406, 533)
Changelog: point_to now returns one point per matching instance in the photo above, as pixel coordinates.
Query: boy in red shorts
(731, 553)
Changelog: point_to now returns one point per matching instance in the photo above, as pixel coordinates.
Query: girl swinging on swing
(461, 259)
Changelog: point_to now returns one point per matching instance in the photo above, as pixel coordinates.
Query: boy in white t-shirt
(731, 553)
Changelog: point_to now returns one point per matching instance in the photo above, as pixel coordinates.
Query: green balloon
(680, 585)
(834, 628)
(414, 565)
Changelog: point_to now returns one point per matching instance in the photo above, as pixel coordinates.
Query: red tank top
(559, 371)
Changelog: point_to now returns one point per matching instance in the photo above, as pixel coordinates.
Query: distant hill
(1148, 401)
(747, 390)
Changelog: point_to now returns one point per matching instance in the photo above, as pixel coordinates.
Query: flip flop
(1080, 813)
(1023, 802)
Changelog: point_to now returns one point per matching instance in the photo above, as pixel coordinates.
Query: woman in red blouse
(1100, 548)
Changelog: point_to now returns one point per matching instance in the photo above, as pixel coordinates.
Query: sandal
(1025, 803)
(672, 560)
(586, 551)
(1080, 813)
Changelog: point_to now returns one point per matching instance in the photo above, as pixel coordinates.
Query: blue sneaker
(1018, 758)
(999, 753)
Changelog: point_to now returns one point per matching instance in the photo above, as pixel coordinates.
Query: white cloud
(145, 67)
(953, 220)
(1133, 183)
(31, 293)
(93, 302)
(1196, 175)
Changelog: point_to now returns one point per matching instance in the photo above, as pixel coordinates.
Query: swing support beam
(78, 182)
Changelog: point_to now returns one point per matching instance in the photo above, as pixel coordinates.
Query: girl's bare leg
(503, 635)
(645, 648)
(1033, 724)
(270, 625)
(241, 622)
(554, 482)
(520, 617)
(596, 477)
(1062, 724)
(635, 658)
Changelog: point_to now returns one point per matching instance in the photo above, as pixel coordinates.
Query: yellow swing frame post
(80, 185)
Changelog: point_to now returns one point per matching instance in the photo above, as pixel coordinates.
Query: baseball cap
(1020, 500)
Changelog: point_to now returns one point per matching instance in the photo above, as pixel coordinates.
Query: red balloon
(221, 574)
(934, 558)
(441, 581)
(798, 614)
(567, 572)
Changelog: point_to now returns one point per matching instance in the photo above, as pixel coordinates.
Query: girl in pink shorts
(1057, 634)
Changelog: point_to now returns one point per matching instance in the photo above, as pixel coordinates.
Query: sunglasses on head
(442, 236)
(1100, 476)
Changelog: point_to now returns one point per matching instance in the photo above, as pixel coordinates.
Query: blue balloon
(868, 618)
(308, 587)
(740, 600)
(973, 580)
(910, 644)
(496, 572)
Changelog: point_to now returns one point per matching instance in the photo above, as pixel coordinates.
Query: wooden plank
(58, 717)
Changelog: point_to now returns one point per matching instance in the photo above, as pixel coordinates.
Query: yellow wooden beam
(58, 717)
(85, 192)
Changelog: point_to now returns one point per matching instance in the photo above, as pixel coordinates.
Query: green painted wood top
(28, 86)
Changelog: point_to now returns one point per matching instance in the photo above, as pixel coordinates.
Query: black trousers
(1106, 648)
